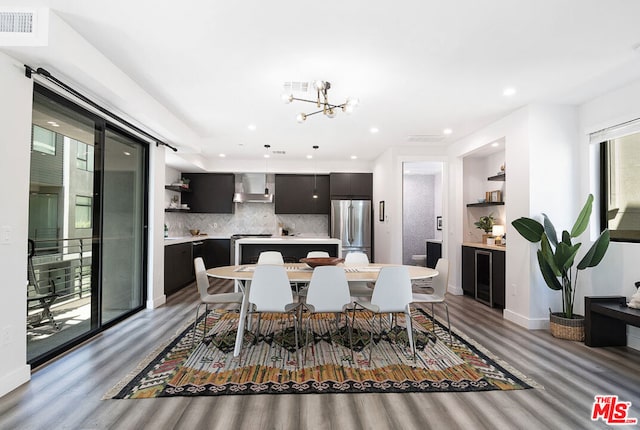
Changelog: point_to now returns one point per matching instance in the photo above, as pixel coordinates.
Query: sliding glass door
(86, 225)
(123, 238)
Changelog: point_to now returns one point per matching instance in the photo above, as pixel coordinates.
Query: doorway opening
(422, 221)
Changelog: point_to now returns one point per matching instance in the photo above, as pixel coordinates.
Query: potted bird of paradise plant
(556, 259)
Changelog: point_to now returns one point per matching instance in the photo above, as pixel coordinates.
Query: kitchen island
(292, 248)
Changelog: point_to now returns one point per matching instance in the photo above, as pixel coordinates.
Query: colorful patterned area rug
(270, 363)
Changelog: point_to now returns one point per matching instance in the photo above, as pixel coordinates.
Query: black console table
(606, 320)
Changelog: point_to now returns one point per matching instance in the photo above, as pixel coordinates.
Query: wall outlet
(6, 235)
(5, 336)
(215, 225)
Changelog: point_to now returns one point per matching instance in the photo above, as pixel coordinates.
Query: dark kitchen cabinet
(178, 267)
(294, 194)
(351, 186)
(210, 192)
(483, 275)
(217, 252)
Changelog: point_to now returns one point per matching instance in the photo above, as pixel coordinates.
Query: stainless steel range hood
(251, 187)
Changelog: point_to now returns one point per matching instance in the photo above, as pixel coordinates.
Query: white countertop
(185, 239)
(288, 240)
(485, 246)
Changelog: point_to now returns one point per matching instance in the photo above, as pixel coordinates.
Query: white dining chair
(270, 292)
(328, 292)
(270, 257)
(206, 299)
(391, 295)
(301, 287)
(358, 289)
(318, 254)
(439, 286)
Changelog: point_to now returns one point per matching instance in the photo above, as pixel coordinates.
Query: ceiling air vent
(24, 27)
(296, 87)
(425, 138)
(16, 22)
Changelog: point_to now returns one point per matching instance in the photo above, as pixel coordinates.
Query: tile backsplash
(248, 218)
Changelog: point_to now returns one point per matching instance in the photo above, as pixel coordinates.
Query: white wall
(15, 135)
(387, 186)
(619, 269)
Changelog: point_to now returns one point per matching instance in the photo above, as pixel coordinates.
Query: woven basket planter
(567, 328)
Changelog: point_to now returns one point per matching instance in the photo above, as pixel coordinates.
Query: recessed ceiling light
(447, 131)
(126, 153)
(252, 127)
(266, 156)
(53, 123)
(222, 155)
(309, 157)
(495, 144)
(374, 130)
(353, 157)
(509, 91)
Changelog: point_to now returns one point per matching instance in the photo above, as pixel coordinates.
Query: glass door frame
(101, 125)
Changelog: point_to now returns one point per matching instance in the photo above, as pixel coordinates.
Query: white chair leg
(446, 307)
(412, 345)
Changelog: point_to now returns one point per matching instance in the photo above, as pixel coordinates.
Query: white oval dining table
(300, 272)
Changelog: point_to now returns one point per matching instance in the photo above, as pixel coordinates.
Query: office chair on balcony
(38, 297)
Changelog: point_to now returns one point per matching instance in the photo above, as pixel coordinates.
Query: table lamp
(498, 231)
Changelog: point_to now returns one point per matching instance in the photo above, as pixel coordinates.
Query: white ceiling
(417, 67)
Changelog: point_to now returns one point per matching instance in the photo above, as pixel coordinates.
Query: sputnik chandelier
(322, 102)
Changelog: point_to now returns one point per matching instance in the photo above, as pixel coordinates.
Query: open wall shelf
(485, 204)
(497, 177)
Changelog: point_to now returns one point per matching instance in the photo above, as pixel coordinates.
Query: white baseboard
(528, 323)
(156, 302)
(455, 290)
(14, 379)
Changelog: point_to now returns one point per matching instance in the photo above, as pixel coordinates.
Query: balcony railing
(62, 267)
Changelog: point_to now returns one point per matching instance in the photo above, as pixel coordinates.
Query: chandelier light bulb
(331, 113)
(301, 117)
(287, 98)
(319, 85)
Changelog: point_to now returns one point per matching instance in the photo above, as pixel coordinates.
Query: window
(84, 156)
(83, 212)
(43, 140)
(620, 176)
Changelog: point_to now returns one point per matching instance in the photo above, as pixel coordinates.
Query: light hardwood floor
(66, 393)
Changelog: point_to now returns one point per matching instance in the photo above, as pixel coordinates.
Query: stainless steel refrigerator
(351, 222)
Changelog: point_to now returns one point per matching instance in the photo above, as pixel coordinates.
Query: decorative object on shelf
(166, 231)
(438, 223)
(556, 260)
(485, 223)
(634, 302)
(174, 202)
(493, 196)
(381, 211)
(185, 182)
(322, 102)
(502, 169)
(497, 232)
(194, 232)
